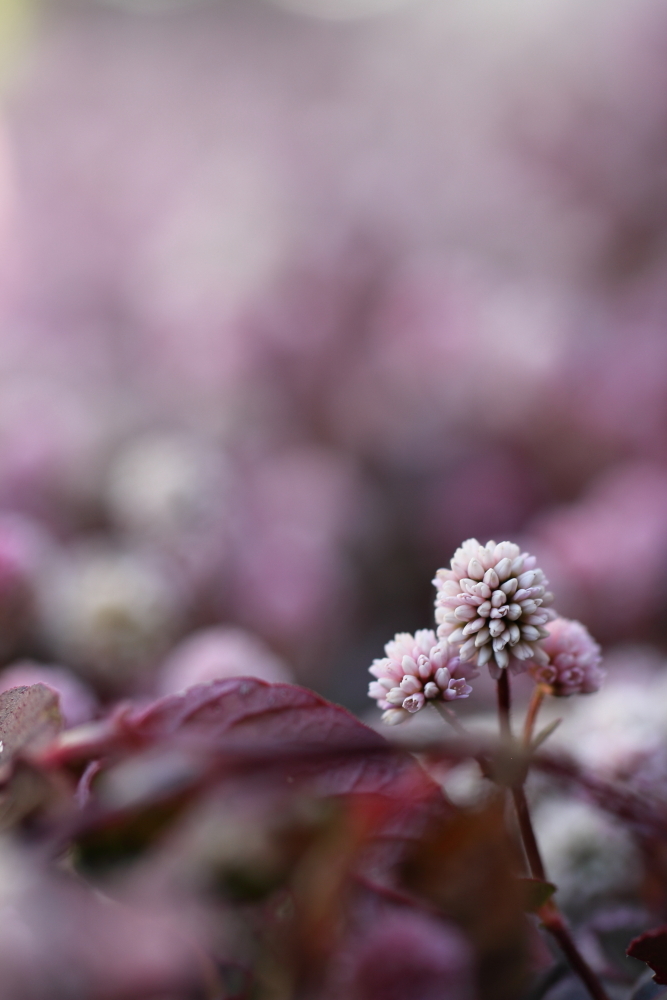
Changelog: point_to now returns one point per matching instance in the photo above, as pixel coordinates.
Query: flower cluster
(491, 608)
(417, 669)
(574, 660)
(492, 603)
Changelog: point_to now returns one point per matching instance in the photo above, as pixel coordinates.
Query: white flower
(587, 855)
(417, 669)
(109, 611)
(492, 602)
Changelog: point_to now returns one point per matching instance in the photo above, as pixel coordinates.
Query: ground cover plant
(250, 839)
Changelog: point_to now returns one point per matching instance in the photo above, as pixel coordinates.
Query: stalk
(532, 713)
(450, 717)
(549, 914)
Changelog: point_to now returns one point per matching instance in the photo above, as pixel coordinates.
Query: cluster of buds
(416, 670)
(574, 660)
(492, 608)
(493, 603)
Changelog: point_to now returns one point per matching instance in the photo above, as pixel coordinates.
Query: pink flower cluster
(574, 660)
(492, 602)
(417, 669)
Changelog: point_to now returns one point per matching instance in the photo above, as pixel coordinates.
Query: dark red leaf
(250, 722)
(278, 739)
(246, 711)
(651, 948)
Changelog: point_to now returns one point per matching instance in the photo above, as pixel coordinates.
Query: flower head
(574, 659)
(492, 603)
(417, 669)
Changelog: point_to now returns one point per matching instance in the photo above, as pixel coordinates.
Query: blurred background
(294, 297)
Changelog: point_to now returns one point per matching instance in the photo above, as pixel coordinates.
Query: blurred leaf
(277, 739)
(466, 866)
(29, 719)
(29, 792)
(125, 837)
(648, 989)
(508, 765)
(651, 947)
(251, 724)
(545, 733)
(536, 892)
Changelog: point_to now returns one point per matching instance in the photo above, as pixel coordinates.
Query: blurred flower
(108, 612)
(166, 483)
(574, 659)
(77, 702)
(411, 955)
(59, 935)
(416, 670)
(216, 653)
(624, 727)
(487, 490)
(411, 399)
(591, 858)
(51, 445)
(298, 509)
(25, 552)
(171, 490)
(492, 604)
(620, 521)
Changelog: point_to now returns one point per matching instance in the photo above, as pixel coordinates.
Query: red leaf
(263, 725)
(651, 948)
(245, 711)
(285, 739)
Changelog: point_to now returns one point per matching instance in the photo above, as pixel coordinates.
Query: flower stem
(553, 922)
(450, 717)
(549, 914)
(504, 705)
(532, 713)
(529, 840)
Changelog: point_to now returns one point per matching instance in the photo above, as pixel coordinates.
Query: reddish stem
(549, 914)
(504, 705)
(553, 922)
(531, 714)
(528, 837)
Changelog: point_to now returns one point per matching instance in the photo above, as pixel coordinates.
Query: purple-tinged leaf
(651, 947)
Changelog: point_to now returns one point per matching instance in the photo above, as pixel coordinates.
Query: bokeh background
(296, 296)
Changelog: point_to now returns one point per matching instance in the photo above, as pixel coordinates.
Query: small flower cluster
(491, 608)
(417, 669)
(574, 660)
(492, 602)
